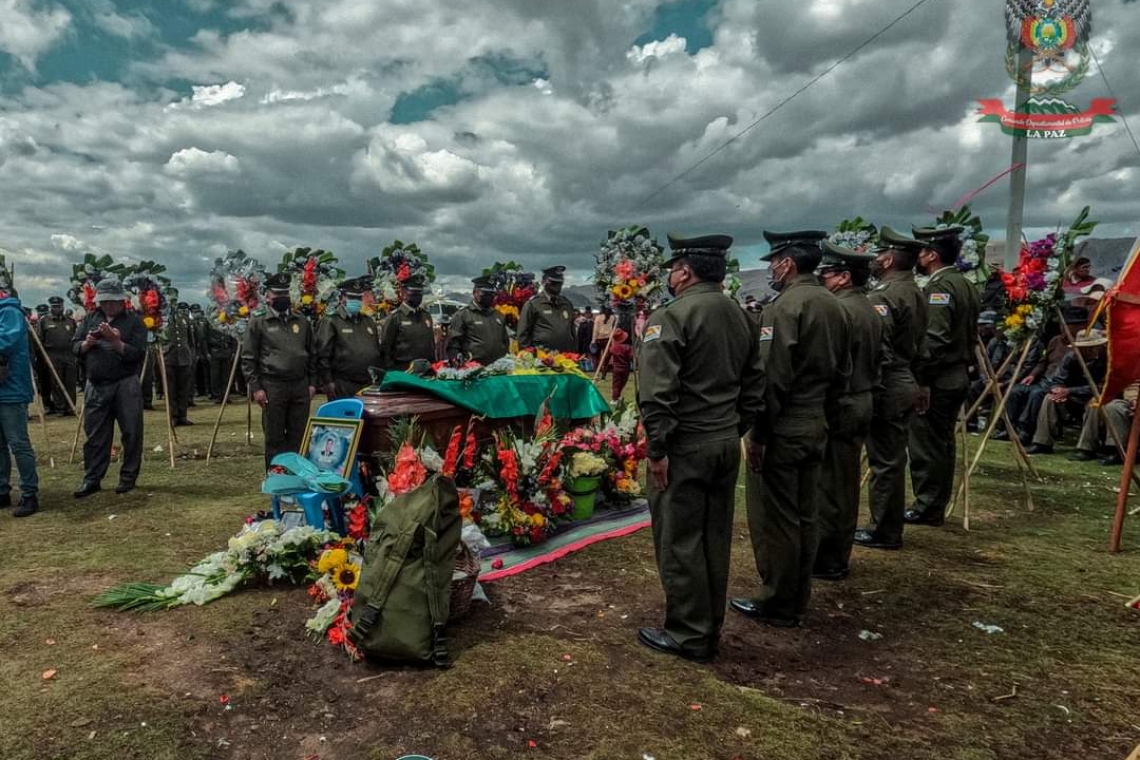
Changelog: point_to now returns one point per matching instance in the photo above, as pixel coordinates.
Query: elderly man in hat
(845, 273)
(943, 373)
(180, 354)
(547, 320)
(56, 332)
(408, 334)
(1069, 390)
(804, 342)
(111, 343)
(348, 344)
(902, 306)
(15, 395)
(702, 385)
(477, 331)
(280, 365)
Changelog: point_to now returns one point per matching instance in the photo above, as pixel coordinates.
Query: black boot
(29, 505)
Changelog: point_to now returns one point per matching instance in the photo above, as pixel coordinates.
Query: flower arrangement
(513, 288)
(620, 440)
(1033, 290)
(629, 266)
(235, 290)
(397, 263)
(526, 476)
(149, 291)
(338, 575)
(89, 273)
(260, 553)
(856, 234)
(314, 277)
(584, 464)
(972, 260)
(526, 362)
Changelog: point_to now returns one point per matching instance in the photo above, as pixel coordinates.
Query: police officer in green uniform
(477, 331)
(281, 369)
(943, 373)
(804, 345)
(407, 334)
(56, 333)
(902, 306)
(201, 353)
(702, 386)
(40, 369)
(221, 346)
(547, 320)
(179, 353)
(348, 343)
(845, 273)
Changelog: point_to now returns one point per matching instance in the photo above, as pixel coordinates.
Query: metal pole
(1019, 159)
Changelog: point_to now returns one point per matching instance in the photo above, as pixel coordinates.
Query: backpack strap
(393, 562)
(436, 604)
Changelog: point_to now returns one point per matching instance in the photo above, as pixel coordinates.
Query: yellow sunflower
(346, 577)
(332, 559)
(243, 311)
(306, 299)
(622, 291)
(149, 323)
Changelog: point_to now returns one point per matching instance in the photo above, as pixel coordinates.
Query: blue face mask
(353, 307)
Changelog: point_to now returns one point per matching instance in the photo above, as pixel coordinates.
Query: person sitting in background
(997, 350)
(15, 395)
(1118, 416)
(1070, 393)
(622, 355)
(1077, 278)
(1090, 295)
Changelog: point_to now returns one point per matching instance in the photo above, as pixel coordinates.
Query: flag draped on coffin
(1122, 304)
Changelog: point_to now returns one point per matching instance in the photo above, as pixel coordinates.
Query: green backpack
(404, 595)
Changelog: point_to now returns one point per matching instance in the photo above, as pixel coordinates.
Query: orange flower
(409, 472)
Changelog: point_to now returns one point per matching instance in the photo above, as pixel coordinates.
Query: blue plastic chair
(313, 504)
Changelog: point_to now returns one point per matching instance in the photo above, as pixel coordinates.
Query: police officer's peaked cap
(782, 240)
(41, 308)
(482, 282)
(937, 234)
(355, 287)
(278, 281)
(56, 301)
(890, 239)
(841, 257)
(988, 317)
(703, 245)
(413, 283)
(554, 274)
(183, 306)
(195, 307)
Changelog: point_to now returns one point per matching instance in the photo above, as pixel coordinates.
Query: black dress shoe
(28, 506)
(86, 490)
(1082, 455)
(831, 574)
(869, 540)
(1112, 460)
(124, 487)
(182, 423)
(756, 611)
(660, 641)
(914, 517)
(1039, 448)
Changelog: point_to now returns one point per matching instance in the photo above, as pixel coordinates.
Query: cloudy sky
(174, 130)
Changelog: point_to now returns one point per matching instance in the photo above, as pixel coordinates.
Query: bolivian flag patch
(882, 310)
(651, 334)
(767, 333)
(939, 299)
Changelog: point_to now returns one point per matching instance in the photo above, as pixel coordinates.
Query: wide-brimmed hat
(110, 289)
(1090, 339)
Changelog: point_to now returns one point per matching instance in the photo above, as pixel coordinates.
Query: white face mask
(777, 278)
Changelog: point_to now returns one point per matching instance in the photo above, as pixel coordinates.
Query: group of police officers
(829, 368)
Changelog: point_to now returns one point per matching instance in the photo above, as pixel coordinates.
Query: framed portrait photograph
(331, 444)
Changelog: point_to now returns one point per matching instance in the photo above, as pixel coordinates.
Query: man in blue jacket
(15, 395)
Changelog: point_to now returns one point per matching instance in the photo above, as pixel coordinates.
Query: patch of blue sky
(685, 18)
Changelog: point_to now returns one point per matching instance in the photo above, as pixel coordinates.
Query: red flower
(451, 458)
(409, 472)
(404, 272)
(537, 534)
(358, 522)
(471, 448)
(309, 276)
(510, 471)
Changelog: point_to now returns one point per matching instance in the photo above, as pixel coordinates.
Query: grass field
(551, 668)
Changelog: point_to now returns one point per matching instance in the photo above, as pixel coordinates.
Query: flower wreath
(87, 274)
(628, 270)
(856, 234)
(972, 260)
(150, 294)
(513, 288)
(396, 264)
(314, 277)
(235, 290)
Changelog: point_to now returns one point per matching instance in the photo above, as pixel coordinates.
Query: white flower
(320, 622)
(431, 459)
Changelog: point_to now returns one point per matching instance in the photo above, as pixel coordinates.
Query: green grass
(554, 660)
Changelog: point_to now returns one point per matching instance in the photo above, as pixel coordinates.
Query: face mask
(414, 300)
(484, 300)
(554, 288)
(57, 311)
(669, 284)
(352, 307)
(281, 304)
(776, 280)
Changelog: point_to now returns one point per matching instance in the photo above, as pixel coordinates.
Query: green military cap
(482, 282)
(413, 283)
(41, 308)
(841, 257)
(704, 245)
(55, 301)
(183, 306)
(779, 241)
(279, 282)
(196, 308)
(890, 239)
(554, 274)
(939, 238)
(356, 287)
